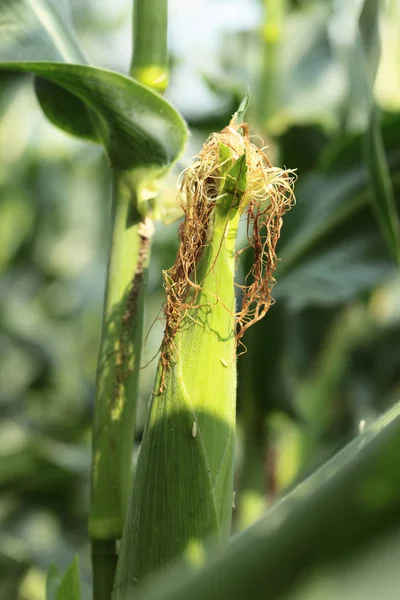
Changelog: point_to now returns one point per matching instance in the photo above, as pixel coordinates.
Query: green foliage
(321, 366)
(383, 199)
(137, 128)
(143, 135)
(320, 234)
(64, 587)
(181, 503)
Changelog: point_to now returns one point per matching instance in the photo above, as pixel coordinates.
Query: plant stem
(122, 330)
(269, 83)
(117, 381)
(150, 44)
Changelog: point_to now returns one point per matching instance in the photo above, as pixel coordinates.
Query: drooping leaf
(43, 30)
(66, 111)
(137, 127)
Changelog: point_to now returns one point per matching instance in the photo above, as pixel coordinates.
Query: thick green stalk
(183, 485)
(117, 381)
(122, 331)
(150, 49)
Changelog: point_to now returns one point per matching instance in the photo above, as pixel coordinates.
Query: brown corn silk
(268, 195)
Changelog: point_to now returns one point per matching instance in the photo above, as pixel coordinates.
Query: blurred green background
(324, 362)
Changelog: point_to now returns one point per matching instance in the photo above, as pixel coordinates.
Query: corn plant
(165, 532)
(186, 456)
(143, 135)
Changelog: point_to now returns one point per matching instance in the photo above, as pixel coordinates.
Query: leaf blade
(383, 201)
(138, 128)
(92, 103)
(302, 532)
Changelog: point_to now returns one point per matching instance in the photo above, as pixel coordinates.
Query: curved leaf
(137, 127)
(42, 30)
(65, 110)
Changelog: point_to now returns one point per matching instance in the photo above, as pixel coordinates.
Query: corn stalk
(117, 384)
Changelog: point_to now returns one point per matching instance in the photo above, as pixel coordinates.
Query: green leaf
(65, 587)
(233, 187)
(43, 30)
(332, 229)
(383, 201)
(239, 115)
(383, 197)
(371, 46)
(347, 505)
(137, 127)
(360, 578)
(65, 110)
(337, 274)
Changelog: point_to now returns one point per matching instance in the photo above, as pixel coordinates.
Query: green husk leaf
(239, 115)
(233, 186)
(226, 160)
(182, 490)
(186, 456)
